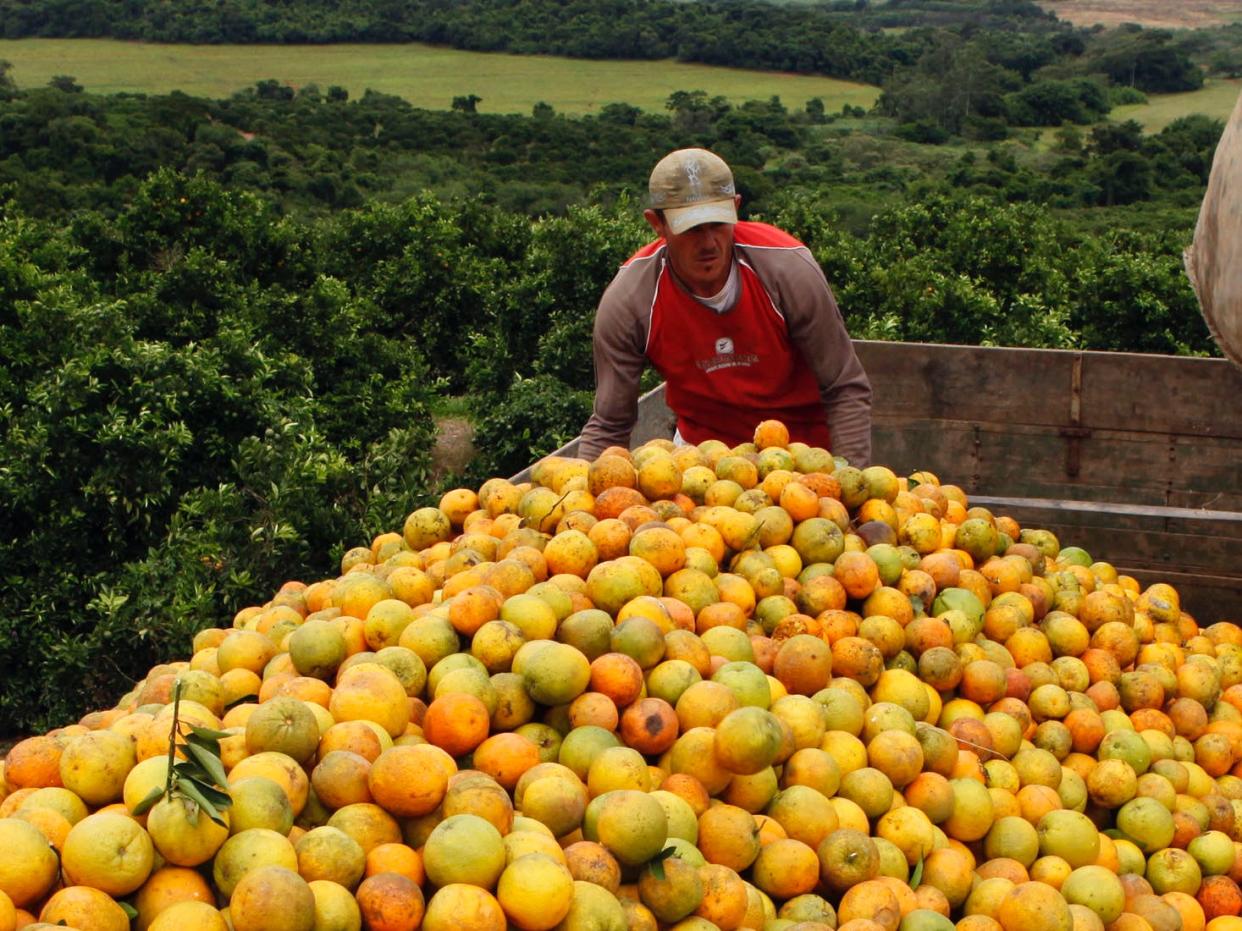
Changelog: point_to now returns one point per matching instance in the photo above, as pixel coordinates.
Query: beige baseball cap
(692, 186)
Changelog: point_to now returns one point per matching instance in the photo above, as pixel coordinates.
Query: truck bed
(1136, 458)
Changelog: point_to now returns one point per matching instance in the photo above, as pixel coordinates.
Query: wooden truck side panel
(1135, 458)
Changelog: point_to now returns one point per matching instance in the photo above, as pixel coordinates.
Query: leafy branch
(200, 777)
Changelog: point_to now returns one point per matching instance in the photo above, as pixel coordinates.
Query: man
(738, 319)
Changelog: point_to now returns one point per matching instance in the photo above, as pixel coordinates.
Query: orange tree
(173, 440)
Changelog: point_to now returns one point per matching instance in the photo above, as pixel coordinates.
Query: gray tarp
(1214, 259)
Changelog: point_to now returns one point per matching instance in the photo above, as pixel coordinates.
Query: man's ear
(656, 223)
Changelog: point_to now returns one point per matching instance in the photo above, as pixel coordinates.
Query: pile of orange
(684, 687)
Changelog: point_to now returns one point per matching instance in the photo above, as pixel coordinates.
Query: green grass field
(1216, 98)
(426, 76)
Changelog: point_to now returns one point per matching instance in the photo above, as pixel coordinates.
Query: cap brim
(680, 219)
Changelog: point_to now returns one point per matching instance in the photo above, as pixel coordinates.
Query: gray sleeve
(619, 342)
(817, 330)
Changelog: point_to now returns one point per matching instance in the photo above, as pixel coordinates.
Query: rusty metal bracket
(1075, 433)
(1073, 450)
(976, 456)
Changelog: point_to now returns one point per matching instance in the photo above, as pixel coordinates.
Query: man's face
(701, 256)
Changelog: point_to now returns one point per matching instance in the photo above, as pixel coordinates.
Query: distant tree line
(848, 40)
(62, 150)
(948, 68)
(981, 84)
(837, 39)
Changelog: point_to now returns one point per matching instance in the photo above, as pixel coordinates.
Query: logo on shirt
(726, 357)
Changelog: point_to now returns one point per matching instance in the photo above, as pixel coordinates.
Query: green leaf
(189, 769)
(221, 800)
(209, 761)
(130, 912)
(916, 878)
(208, 734)
(656, 863)
(148, 800)
(210, 744)
(218, 798)
(240, 700)
(195, 793)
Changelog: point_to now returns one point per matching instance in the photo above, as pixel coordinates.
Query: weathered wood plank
(1181, 519)
(1031, 461)
(1146, 393)
(1158, 483)
(925, 382)
(1132, 544)
(1162, 394)
(1144, 549)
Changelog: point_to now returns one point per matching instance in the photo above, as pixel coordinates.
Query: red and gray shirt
(780, 352)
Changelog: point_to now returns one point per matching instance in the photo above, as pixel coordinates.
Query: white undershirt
(725, 298)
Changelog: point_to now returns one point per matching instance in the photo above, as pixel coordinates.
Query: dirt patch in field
(1165, 14)
(454, 447)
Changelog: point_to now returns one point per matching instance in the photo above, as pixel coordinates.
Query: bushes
(941, 270)
(181, 445)
(285, 504)
(1051, 103)
(203, 399)
(533, 367)
(153, 488)
(570, 261)
(1132, 295)
(976, 272)
(424, 281)
(535, 416)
